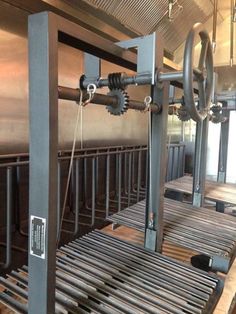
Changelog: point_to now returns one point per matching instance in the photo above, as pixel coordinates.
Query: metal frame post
(156, 177)
(199, 174)
(43, 79)
(45, 30)
(223, 154)
(157, 155)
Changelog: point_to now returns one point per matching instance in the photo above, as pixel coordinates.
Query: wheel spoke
(203, 54)
(202, 96)
(197, 74)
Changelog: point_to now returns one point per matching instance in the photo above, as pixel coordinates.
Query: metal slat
(140, 254)
(129, 288)
(113, 272)
(154, 282)
(199, 229)
(102, 274)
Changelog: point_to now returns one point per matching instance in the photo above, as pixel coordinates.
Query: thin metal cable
(169, 140)
(150, 164)
(81, 127)
(147, 102)
(91, 89)
(71, 164)
(221, 152)
(171, 125)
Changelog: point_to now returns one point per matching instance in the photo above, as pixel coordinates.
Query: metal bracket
(150, 239)
(146, 53)
(197, 199)
(92, 66)
(221, 176)
(114, 226)
(220, 263)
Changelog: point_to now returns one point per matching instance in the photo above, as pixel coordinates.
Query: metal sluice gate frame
(45, 30)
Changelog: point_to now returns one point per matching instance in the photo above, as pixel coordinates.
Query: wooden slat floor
(214, 191)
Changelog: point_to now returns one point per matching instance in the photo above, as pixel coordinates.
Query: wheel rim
(203, 74)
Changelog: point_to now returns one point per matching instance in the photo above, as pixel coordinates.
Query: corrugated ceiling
(144, 17)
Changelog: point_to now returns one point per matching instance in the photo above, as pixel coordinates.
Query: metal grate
(101, 274)
(144, 17)
(198, 229)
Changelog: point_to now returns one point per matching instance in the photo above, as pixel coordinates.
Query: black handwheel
(203, 74)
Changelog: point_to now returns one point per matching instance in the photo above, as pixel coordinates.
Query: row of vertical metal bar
(88, 185)
(223, 154)
(130, 181)
(199, 173)
(129, 171)
(7, 262)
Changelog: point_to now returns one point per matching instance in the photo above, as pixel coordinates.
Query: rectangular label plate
(37, 236)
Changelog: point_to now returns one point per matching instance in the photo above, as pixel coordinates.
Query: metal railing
(104, 180)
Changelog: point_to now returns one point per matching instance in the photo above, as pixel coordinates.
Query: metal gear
(116, 80)
(217, 116)
(216, 109)
(123, 102)
(171, 110)
(183, 114)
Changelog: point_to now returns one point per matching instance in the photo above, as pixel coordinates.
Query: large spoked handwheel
(203, 74)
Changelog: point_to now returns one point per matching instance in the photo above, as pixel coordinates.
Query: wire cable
(91, 89)
(71, 164)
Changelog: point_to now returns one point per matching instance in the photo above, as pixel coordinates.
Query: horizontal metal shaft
(219, 98)
(171, 76)
(140, 79)
(73, 94)
(175, 78)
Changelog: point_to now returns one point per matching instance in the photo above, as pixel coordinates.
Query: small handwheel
(203, 74)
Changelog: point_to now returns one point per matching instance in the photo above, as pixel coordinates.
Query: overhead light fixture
(170, 7)
(233, 19)
(214, 25)
(234, 13)
(174, 8)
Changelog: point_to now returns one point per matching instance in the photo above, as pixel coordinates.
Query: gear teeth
(183, 114)
(123, 102)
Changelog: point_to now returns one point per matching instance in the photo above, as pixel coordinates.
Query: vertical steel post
(129, 177)
(107, 184)
(77, 177)
(223, 154)
(8, 259)
(93, 191)
(119, 181)
(58, 198)
(43, 99)
(199, 174)
(139, 175)
(157, 154)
